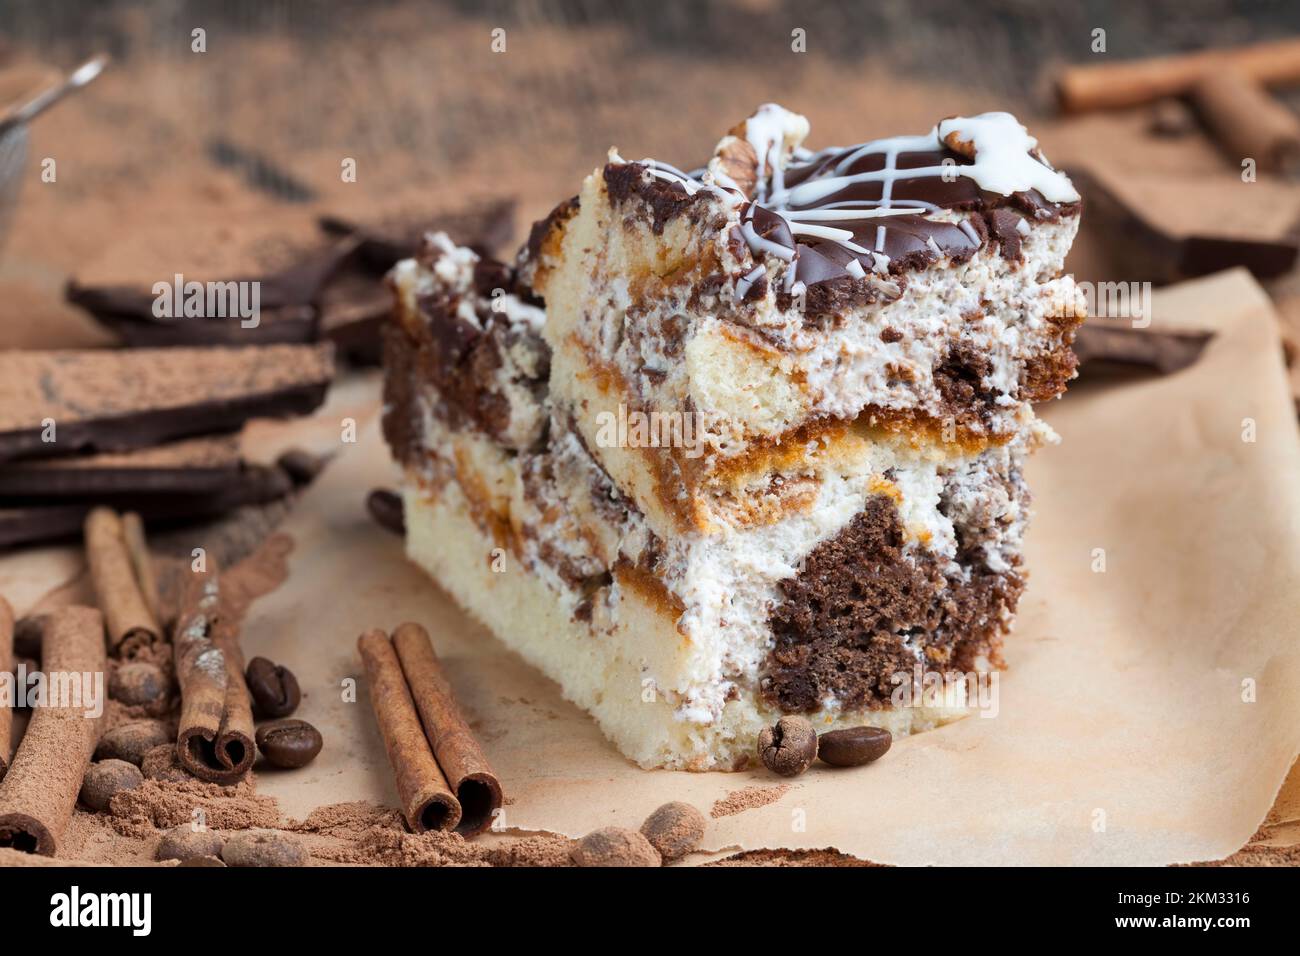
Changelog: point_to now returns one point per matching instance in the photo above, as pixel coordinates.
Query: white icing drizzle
(1003, 162)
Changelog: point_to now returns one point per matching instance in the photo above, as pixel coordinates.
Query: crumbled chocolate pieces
(789, 747)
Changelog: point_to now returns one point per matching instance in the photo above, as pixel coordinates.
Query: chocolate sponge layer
(863, 610)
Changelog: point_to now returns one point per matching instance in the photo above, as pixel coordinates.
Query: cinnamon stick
(1247, 122)
(427, 800)
(131, 626)
(40, 790)
(215, 737)
(137, 546)
(455, 747)
(6, 666)
(1134, 82)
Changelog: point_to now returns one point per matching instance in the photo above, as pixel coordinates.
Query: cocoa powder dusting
(161, 804)
(749, 798)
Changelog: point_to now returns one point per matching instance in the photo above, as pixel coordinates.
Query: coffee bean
(28, 632)
(301, 465)
(386, 508)
(614, 846)
(273, 687)
(185, 843)
(130, 742)
(106, 779)
(853, 746)
(790, 747)
(675, 829)
(289, 743)
(138, 684)
(263, 848)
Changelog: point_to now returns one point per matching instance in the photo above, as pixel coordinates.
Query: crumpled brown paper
(1148, 713)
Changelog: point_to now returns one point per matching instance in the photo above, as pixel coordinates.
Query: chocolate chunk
(45, 521)
(193, 465)
(1101, 340)
(1004, 226)
(82, 401)
(286, 307)
(484, 228)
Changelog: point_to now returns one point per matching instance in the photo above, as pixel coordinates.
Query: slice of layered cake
(746, 441)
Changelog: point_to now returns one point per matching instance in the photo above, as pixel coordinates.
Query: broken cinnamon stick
(427, 801)
(6, 666)
(131, 626)
(455, 747)
(1134, 82)
(1247, 122)
(40, 790)
(215, 737)
(137, 546)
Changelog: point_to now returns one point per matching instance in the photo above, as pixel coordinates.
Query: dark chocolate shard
(50, 522)
(193, 465)
(1099, 340)
(287, 307)
(484, 228)
(85, 401)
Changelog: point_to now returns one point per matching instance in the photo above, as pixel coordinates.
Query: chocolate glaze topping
(843, 214)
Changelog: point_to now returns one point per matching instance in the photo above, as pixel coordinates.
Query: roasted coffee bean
(289, 743)
(853, 746)
(386, 508)
(790, 747)
(300, 465)
(27, 636)
(273, 687)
